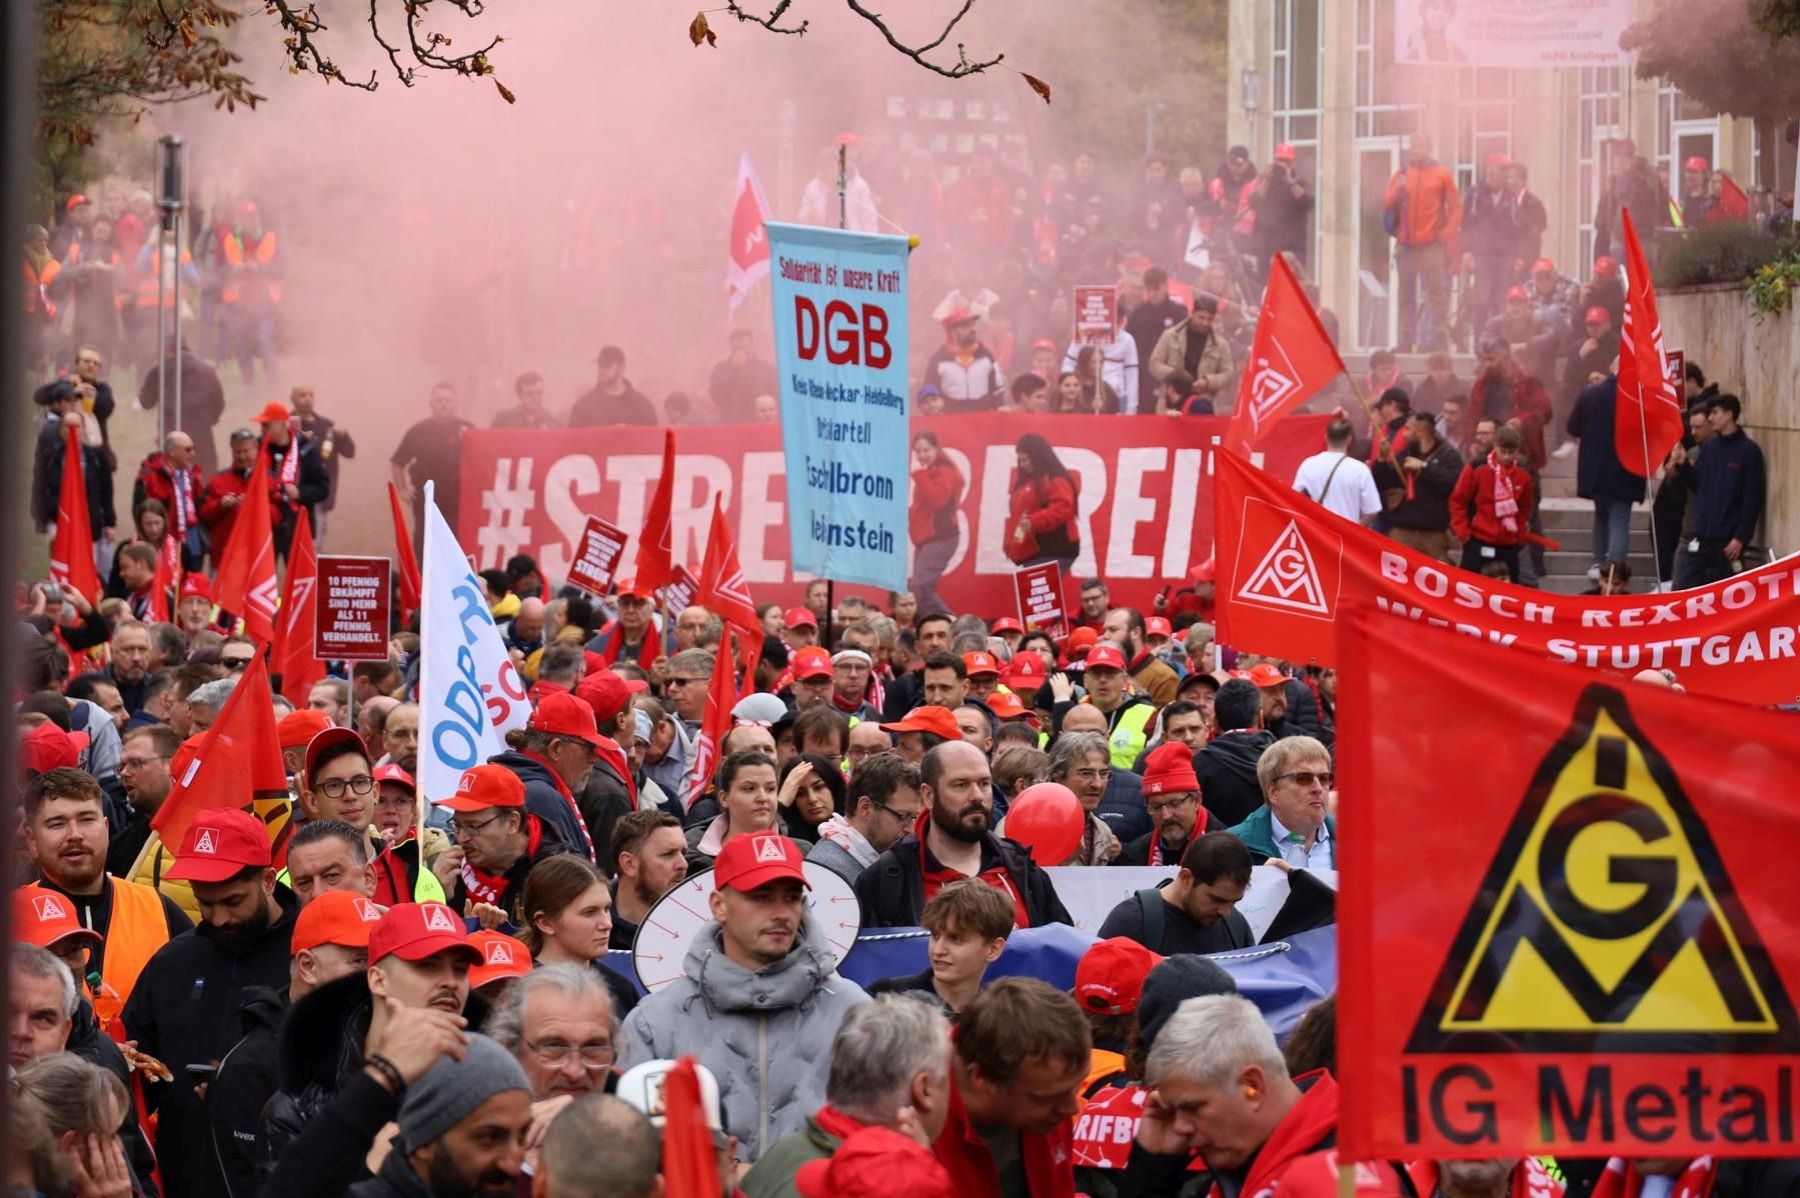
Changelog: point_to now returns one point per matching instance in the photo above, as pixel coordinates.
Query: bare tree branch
(963, 65)
(772, 22)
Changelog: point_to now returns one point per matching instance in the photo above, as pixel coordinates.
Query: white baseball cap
(642, 1087)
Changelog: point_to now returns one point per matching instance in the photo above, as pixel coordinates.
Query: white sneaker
(1593, 573)
(1564, 450)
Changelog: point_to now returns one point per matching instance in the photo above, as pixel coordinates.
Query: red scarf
(836, 1124)
(1506, 496)
(1049, 1160)
(182, 484)
(289, 473)
(491, 888)
(648, 652)
(1621, 1180)
(1529, 1180)
(995, 876)
(569, 798)
(1300, 1132)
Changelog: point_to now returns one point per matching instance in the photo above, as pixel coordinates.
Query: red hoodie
(1475, 488)
(1310, 1126)
(936, 491)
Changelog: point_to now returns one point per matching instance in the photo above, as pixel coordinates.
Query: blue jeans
(1612, 530)
(930, 560)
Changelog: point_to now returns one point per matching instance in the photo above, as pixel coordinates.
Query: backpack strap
(1150, 904)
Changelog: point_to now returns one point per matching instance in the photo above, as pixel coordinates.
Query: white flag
(470, 695)
(749, 253)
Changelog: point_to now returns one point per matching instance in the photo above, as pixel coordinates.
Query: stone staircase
(1570, 521)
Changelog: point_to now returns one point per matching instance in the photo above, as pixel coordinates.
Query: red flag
(655, 553)
(1647, 421)
(724, 592)
(403, 555)
(749, 250)
(1291, 359)
(690, 1163)
(1733, 203)
(168, 578)
(293, 652)
(237, 764)
(1611, 924)
(246, 585)
(721, 696)
(72, 549)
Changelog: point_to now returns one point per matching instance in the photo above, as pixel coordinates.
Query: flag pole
(1644, 439)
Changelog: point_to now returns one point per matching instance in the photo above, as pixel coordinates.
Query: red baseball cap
(1543, 266)
(1516, 293)
(396, 774)
(1110, 977)
(76, 201)
(629, 589)
(1081, 640)
(605, 693)
(1025, 673)
(1042, 343)
(756, 859)
(1008, 624)
(1158, 626)
(1605, 268)
(563, 714)
(1697, 163)
(799, 617)
(1169, 770)
(1105, 656)
(812, 662)
(485, 786)
(957, 316)
(1284, 152)
(196, 586)
(330, 739)
(935, 720)
(219, 844)
(1007, 706)
(297, 728)
(980, 663)
(274, 412)
(1597, 315)
(1202, 572)
(335, 917)
(47, 747)
(1264, 674)
(875, 1163)
(45, 918)
(414, 931)
(501, 957)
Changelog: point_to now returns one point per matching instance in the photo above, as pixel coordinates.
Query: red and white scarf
(290, 462)
(491, 888)
(1621, 1180)
(182, 484)
(1506, 496)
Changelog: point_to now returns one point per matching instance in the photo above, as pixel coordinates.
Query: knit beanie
(451, 1089)
(1177, 979)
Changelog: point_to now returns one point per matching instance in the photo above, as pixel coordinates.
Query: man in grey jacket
(882, 806)
(761, 999)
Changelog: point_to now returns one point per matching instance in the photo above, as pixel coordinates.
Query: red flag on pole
(293, 652)
(690, 1163)
(1291, 359)
(72, 549)
(1733, 203)
(168, 578)
(1647, 421)
(655, 553)
(749, 251)
(404, 558)
(721, 696)
(724, 592)
(246, 585)
(237, 764)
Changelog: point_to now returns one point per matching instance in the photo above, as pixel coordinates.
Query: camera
(53, 594)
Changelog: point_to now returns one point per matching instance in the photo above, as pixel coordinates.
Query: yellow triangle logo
(1606, 919)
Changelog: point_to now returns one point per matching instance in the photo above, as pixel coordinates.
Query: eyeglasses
(401, 802)
(362, 784)
(904, 817)
(685, 681)
(461, 828)
(234, 664)
(1306, 778)
(1156, 809)
(131, 765)
(555, 1052)
(1093, 775)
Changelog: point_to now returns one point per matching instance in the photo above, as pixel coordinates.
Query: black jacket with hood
(1226, 767)
(544, 798)
(242, 1088)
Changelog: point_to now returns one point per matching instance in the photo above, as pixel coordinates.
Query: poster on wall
(1510, 33)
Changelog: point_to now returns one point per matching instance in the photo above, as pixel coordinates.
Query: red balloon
(1048, 819)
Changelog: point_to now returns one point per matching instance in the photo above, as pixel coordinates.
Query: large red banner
(1145, 506)
(1287, 566)
(1564, 925)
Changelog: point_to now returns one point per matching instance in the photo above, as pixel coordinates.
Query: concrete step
(1571, 562)
(1579, 513)
(1582, 540)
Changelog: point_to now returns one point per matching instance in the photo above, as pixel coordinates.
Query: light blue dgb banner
(840, 348)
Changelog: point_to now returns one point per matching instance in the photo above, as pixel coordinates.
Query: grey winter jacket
(766, 1036)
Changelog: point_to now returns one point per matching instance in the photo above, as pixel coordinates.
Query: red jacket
(1531, 408)
(156, 480)
(1049, 1160)
(936, 491)
(1472, 504)
(1051, 505)
(216, 516)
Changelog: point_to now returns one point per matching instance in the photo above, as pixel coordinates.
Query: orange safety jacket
(135, 929)
(146, 284)
(233, 245)
(37, 285)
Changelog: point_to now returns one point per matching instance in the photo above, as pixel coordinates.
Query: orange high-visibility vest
(233, 245)
(134, 931)
(146, 284)
(37, 286)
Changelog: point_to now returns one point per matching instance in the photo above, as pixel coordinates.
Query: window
(1294, 90)
(1601, 103)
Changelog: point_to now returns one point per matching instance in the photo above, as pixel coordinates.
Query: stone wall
(1759, 362)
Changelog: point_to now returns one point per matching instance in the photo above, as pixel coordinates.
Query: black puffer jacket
(319, 1050)
(1226, 767)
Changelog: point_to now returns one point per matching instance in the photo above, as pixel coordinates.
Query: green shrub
(1772, 286)
(1722, 253)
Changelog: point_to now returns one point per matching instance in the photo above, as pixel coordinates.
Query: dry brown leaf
(505, 92)
(1038, 86)
(698, 31)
